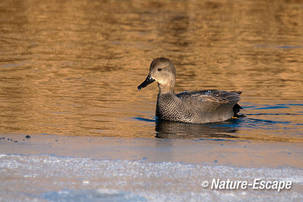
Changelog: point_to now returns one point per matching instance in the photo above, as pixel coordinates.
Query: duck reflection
(170, 129)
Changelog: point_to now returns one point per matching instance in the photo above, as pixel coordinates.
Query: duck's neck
(165, 89)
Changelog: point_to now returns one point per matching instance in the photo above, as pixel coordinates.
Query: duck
(204, 106)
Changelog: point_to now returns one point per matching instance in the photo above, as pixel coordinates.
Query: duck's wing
(211, 99)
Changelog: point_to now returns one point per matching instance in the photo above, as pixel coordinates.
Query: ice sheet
(60, 178)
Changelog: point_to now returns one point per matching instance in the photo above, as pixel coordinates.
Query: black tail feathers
(236, 110)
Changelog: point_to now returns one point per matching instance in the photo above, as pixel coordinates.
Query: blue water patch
(295, 105)
(12, 65)
(289, 47)
(91, 195)
(144, 119)
(233, 123)
(278, 106)
(247, 122)
(270, 124)
(268, 121)
(214, 139)
(248, 107)
(281, 46)
(45, 134)
(275, 114)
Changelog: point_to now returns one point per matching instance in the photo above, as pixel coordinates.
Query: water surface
(72, 67)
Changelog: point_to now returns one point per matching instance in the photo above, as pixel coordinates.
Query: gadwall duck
(191, 107)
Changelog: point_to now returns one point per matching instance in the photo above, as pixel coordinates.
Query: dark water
(72, 67)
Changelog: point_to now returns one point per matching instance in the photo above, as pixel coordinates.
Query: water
(71, 68)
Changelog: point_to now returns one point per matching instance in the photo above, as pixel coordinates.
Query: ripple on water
(269, 121)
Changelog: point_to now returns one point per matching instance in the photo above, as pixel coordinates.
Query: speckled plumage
(192, 107)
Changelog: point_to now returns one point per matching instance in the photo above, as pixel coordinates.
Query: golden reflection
(72, 67)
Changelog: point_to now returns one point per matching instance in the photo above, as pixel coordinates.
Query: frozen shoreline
(52, 168)
(218, 151)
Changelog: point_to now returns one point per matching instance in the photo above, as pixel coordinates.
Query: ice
(91, 195)
(61, 178)
(62, 168)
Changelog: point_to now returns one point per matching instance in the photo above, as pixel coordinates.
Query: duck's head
(163, 72)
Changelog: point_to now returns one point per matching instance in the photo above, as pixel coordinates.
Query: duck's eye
(159, 69)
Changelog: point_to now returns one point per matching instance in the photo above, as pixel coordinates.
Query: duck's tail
(236, 110)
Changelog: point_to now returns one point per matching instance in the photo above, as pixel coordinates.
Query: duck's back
(198, 106)
(210, 99)
(210, 105)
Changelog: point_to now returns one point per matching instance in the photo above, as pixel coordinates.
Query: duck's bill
(147, 81)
